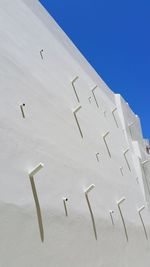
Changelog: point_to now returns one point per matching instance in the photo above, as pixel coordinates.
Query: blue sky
(114, 36)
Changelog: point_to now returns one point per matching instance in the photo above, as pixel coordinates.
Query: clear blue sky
(114, 36)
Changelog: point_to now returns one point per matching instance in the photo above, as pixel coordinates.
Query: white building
(74, 171)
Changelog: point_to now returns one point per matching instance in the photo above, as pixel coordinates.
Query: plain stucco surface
(49, 134)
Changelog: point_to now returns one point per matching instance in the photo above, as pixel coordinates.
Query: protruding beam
(36, 169)
(113, 114)
(65, 205)
(95, 87)
(97, 156)
(124, 153)
(139, 212)
(75, 116)
(104, 139)
(41, 53)
(73, 85)
(130, 125)
(38, 209)
(121, 170)
(22, 109)
(122, 218)
(87, 191)
(143, 164)
(111, 212)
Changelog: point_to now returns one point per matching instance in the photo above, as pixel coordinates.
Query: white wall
(49, 134)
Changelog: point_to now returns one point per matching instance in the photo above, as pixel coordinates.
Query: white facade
(83, 138)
